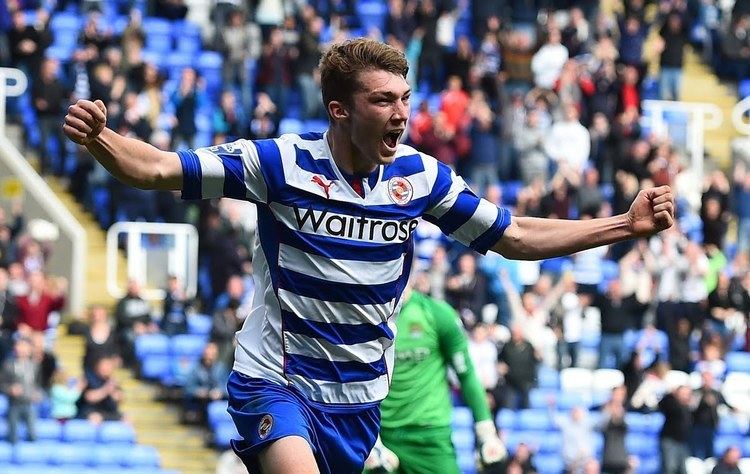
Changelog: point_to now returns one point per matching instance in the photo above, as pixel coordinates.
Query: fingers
(100, 105)
(74, 134)
(667, 206)
(78, 124)
(664, 217)
(662, 199)
(98, 112)
(660, 191)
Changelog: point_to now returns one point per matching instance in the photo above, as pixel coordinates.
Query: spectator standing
(612, 424)
(569, 142)
(241, 42)
(707, 401)
(548, 62)
(50, 95)
(133, 316)
(44, 297)
(21, 384)
(577, 438)
(274, 75)
(485, 151)
(308, 73)
(101, 340)
(674, 434)
(467, 290)
(175, 309)
(187, 99)
(529, 141)
(518, 362)
(633, 34)
(8, 315)
(674, 36)
(28, 42)
(741, 192)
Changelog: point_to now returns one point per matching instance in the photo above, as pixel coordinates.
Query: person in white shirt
(569, 142)
(548, 62)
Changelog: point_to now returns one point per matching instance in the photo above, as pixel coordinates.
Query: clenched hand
(85, 121)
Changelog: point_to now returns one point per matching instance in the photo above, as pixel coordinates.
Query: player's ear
(338, 110)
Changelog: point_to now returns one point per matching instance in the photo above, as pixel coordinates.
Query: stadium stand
(627, 304)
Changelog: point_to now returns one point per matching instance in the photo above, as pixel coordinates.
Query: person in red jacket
(44, 296)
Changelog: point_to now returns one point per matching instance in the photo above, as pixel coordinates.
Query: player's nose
(401, 111)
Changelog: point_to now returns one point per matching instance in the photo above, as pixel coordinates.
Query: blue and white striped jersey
(329, 264)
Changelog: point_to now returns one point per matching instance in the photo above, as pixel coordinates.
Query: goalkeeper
(415, 433)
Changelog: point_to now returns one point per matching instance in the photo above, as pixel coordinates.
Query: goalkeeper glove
(491, 449)
(381, 459)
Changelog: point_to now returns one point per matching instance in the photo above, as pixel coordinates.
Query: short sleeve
(475, 222)
(229, 170)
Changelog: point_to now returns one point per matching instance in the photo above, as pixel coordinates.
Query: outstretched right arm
(132, 161)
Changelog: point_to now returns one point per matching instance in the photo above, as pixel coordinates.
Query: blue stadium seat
(290, 125)
(109, 455)
(158, 34)
(462, 418)
(638, 422)
(156, 367)
(372, 15)
(729, 425)
(47, 428)
(154, 57)
(539, 398)
(79, 431)
(217, 412)
(176, 62)
(142, 456)
(199, 324)
(3, 404)
(466, 462)
(549, 464)
(6, 452)
(75, 453)
(187, 35)
(463, 439)
(738, 362)
(190, 345)
(35, 452)
(61, 53)
(534, 420)
(568, 400)
(116, 432)
(550, 442)
(316, 125)
(223, 432)
(650, 465)
(151, 344)
(505, 419)
(641, 445)
(743, 89)
(548, 377)
(722, 442)
(65, 21)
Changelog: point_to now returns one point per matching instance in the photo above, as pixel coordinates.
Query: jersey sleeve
(229, 170)
(454, 346)
(475, 222)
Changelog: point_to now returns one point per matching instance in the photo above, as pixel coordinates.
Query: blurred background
(119, 306)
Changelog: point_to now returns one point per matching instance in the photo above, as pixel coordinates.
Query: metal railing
(69, 251)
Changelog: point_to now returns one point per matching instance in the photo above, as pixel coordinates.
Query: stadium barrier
(68, 257)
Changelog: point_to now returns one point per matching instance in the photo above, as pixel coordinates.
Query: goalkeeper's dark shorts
(422, 450)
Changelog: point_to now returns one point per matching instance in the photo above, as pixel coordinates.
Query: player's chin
(387, 153)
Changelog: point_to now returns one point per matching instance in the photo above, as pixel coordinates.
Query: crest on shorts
(265, 425)
(400, 190)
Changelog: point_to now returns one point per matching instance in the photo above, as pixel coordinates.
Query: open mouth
(391, 138)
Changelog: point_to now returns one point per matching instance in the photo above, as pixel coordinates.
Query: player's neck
(344, 154)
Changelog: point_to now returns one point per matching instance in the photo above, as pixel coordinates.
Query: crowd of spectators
(537, 104)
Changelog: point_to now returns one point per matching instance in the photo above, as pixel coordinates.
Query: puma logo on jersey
(320, 181)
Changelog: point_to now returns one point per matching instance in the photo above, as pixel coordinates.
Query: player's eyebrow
(388, 94)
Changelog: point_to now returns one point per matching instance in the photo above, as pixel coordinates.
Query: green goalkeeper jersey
(430, 338)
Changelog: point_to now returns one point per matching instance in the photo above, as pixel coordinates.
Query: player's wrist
(485, 429)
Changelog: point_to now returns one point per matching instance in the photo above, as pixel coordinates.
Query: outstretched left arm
(531, 238)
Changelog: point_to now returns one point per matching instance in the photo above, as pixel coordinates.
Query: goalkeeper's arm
(455, 349)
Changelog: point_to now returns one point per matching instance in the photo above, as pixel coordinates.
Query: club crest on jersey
(321, 181)
(400, 190)
(265, 425)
